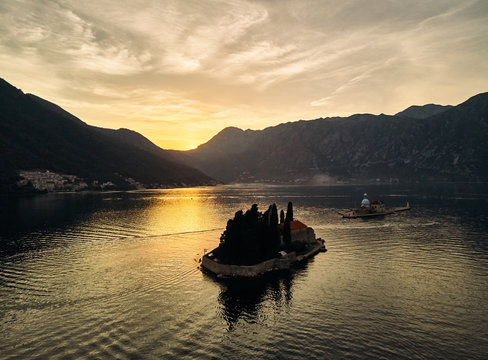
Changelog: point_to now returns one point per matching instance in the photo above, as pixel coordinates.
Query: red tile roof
(297, 225)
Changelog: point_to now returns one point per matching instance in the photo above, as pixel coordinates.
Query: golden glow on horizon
(179, 72)
(188, 207)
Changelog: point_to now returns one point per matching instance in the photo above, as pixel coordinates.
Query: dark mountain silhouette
(423, 112)
(221, 154)
(123, 135)
(231, 140)
(55, 108)
(421, 143)
(37, 134)
(133, 138)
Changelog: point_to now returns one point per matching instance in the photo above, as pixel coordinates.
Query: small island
(255, 243)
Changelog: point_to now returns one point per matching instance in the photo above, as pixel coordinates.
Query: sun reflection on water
(114, 275)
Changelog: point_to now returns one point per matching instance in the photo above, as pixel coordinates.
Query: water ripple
(120, 281)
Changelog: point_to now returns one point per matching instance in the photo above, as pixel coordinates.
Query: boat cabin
(378, 206)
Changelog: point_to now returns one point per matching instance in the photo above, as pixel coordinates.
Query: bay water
(116, 276)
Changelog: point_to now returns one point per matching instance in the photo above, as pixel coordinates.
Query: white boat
(371, 209)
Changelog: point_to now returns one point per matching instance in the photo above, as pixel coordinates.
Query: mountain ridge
(445, 145)
(429, 142)
(37, 134)
(423, 111)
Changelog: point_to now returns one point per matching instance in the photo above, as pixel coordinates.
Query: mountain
(127, 136)
(133, 138)
(36, 134)
(421, 143)
(230, 140)
(221, 154)
(424, 111)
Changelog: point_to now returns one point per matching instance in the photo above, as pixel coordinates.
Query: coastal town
(48, 181)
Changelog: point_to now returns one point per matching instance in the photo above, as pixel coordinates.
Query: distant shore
(39, 182)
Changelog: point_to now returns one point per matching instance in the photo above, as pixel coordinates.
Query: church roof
(297, 225)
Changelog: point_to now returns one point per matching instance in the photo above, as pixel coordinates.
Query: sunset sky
(180, 71)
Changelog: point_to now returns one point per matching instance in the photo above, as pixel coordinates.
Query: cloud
(181, 36)
(210, 63)
(56, 35)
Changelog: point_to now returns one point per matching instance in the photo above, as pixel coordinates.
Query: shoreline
(16, 194)
(248, 271)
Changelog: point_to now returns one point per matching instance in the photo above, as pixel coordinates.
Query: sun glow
(180, 73)
(188, 207)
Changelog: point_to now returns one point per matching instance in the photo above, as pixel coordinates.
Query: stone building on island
(300, 233)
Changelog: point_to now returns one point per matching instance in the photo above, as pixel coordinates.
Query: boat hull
(360, 213)
(354, 215)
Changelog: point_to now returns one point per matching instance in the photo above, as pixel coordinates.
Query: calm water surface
(115, 275)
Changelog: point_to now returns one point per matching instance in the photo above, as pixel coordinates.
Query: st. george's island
(255, 243)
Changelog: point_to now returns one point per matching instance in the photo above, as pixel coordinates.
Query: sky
(178, 72)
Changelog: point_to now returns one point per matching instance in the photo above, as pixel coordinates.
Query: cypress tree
(273, 220)
(265, 236)
(251, 245)
(282, 216)
(267, 216)
(274, 233)
(289, 212)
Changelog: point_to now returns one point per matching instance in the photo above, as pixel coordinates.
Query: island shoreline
(285, 262)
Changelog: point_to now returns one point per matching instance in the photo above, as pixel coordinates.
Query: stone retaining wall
(282, 263)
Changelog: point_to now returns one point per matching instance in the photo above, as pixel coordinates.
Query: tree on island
(286, 225)
(250, 237)
(289, 212)
(271, 231)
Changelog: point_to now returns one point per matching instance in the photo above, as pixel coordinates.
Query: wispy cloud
(206, 64)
